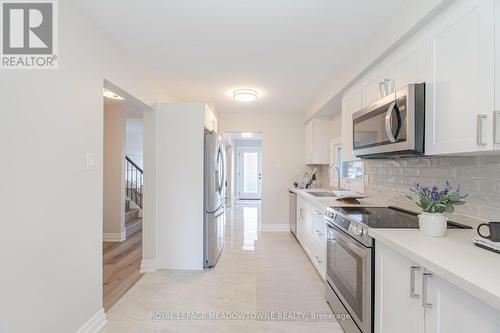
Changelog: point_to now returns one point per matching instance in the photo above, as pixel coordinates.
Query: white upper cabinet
(210, 120)
(351, 103)
(460, 80)
(377, 85)
(408, 66)
(317, 141)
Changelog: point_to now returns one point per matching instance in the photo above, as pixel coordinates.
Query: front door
(249, 173)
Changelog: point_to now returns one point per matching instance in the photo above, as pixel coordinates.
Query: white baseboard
(149, 266)
(114, 236)
(274, 227)
(95, 323)
(133, 229)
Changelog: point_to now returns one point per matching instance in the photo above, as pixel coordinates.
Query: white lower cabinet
(311, 233)
(395, 310)
(411, 299)
(452, 310)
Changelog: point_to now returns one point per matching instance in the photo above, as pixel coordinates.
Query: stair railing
(134, 181)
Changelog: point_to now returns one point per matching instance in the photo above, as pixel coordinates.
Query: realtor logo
(28, 34)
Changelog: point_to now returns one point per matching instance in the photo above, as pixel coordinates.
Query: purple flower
(435, 193)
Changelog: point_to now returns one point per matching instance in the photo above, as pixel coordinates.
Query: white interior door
(249, 177)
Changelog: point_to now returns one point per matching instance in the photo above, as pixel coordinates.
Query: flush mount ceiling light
(109, 94)
(245, 95)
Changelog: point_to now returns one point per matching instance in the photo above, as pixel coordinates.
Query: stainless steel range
(351, 260)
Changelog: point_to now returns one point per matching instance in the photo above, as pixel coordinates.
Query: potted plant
(434, 204)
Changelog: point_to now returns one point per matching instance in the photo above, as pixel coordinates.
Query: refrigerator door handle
(216, 210)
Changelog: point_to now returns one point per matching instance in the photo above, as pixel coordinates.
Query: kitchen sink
(322, 194)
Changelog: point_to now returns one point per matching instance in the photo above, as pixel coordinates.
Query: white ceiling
(287, 50)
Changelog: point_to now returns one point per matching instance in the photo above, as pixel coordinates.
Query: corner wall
(51, 239)
(113, 172)
(180, 185)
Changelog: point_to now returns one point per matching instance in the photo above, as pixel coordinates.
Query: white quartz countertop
(454, 258)
(332, 201)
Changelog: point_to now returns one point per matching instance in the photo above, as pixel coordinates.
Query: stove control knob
(359, 232)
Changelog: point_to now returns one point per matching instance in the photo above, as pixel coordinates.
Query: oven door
(386, 126)
(349, 273)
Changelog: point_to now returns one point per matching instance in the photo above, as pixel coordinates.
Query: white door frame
(240, 195)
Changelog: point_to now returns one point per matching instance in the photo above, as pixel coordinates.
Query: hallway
(263, 282)
(121, 264)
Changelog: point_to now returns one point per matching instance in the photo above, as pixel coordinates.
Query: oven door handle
(388, 122)
(360, 251)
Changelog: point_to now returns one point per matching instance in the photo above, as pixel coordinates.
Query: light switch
(91, 164)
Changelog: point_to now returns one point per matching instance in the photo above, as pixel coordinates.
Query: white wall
(113, 171)
(134, 140)
(179, 185)
(283, 151)
(50, 243)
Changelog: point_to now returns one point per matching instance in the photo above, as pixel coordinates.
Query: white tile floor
(231, 287)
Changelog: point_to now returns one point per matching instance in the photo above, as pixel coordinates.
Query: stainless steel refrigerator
(214, 198)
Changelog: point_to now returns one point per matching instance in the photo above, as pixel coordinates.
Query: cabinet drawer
(319, 229)
(318, 256)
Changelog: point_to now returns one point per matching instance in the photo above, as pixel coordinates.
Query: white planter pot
(433, 224)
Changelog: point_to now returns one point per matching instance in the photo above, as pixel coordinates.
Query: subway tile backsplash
(479, 176)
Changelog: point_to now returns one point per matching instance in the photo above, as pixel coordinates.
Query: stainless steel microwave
(392, 126)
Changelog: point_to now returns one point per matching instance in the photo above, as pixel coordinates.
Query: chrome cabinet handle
(386, 86)
(318, 232)
(381, 89)
(425, 278)
(496, 127)
(388, 125)
(480, 119)
(318, 212)
(413, 270)
(317, 260)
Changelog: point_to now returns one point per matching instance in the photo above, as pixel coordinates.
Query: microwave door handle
(388, 122)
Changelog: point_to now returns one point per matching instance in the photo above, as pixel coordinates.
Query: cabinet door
(376, 86)
(396, 310)
(309, 140)
(351, 103)
(409, 65)
(460, 80)
(300, 219)
(452, 310)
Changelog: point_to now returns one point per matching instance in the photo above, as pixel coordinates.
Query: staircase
(133, 217)
(134, 182)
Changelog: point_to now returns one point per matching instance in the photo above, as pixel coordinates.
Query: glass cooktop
(387, 217)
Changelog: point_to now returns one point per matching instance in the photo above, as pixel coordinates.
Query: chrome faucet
(338, 174)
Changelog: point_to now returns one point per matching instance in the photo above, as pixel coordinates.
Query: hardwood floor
(122, 261)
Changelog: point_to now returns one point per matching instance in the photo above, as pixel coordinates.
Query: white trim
(95, 323)
(149, 266)
(114, 236)
(274, 227)
(133, 228)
